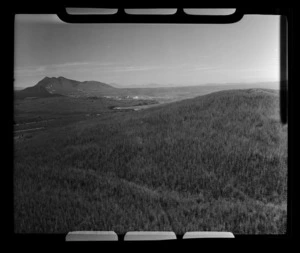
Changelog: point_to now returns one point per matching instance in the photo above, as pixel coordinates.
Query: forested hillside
(215, 162)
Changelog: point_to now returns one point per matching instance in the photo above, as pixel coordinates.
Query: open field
(214, 162)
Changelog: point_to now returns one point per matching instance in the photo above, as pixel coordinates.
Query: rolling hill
(215, 162)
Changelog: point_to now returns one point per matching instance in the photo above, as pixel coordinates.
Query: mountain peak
(48, 78)
(67, 87)
(61, 77)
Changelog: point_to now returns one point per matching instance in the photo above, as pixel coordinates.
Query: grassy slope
(217, 162)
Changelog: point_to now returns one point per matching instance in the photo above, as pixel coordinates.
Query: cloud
(103, 67)
(132, 68)
(58, 68)
(68, 64)
(118, 68)
(201, 68)
(29, 71)
(40, 69)
(262, 69)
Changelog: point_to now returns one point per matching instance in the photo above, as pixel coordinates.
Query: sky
(141, 54)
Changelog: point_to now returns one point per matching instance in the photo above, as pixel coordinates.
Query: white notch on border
(168, 11)
(209, 12)
(92, 236)
(149, 236)
(207, 234)
(91, 11)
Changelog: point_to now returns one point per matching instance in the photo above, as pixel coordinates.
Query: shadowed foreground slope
(216, 162)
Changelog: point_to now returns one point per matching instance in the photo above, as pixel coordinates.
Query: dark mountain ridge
(65, 86)
(53, 86)
(36, 91)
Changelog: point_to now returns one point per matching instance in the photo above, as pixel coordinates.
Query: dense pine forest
(216, 162)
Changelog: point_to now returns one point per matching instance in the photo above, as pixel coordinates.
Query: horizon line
(155, 85)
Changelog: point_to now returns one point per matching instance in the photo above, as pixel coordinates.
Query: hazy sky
(138, 54)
